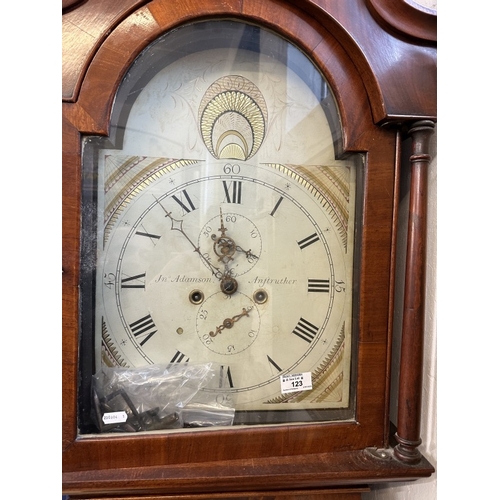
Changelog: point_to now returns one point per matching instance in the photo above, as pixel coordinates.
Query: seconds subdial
(233, 241)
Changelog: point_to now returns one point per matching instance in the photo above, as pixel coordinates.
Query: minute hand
(177, 226)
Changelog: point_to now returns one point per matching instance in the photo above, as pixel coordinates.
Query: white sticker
(296, 382)
(116, 417)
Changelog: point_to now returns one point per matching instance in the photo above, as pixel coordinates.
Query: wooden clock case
(379, 57)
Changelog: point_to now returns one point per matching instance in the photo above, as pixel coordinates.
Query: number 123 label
(296, 382)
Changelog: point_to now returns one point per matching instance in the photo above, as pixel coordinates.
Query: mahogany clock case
(372, 109)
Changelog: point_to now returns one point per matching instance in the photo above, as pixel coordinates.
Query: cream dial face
(225, 223)
(228, 263)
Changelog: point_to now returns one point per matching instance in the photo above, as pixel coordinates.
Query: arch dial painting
(224, 228)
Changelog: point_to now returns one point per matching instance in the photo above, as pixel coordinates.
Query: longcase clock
(231, 179)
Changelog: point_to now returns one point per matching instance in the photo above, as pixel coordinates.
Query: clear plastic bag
(210, 406)
(154, 397)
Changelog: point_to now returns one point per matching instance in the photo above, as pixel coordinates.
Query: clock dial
(225, 226)
(256, 282)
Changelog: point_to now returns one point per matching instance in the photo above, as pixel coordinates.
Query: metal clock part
(225, 242)
(237, 324)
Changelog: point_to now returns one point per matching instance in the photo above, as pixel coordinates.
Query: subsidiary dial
(228, 325)
(233, 243)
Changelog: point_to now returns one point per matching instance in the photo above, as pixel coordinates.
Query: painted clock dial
(225, 226)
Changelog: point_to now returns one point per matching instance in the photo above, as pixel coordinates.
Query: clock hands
(229, 322)
(228, 284)
(225, 312)
(225, 247)
(177, 226)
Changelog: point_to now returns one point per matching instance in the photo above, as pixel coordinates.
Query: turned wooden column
(412, 341)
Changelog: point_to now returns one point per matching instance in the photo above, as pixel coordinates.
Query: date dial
(228, 325)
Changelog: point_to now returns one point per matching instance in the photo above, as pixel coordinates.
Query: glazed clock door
(224, 228)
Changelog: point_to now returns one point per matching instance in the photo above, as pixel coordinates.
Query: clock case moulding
(383, 76)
